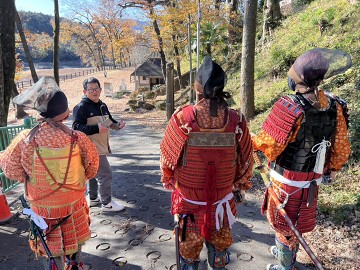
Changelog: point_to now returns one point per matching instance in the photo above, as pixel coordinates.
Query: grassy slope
(298, 33)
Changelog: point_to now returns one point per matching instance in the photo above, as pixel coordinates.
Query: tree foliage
(98, 32)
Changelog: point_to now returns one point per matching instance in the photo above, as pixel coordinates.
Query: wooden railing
(27, 83)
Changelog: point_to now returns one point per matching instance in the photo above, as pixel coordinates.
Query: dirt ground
(338, 247)
(73, 90)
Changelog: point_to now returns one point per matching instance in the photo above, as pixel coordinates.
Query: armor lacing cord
(320, 150)
(186, 129)
(300, 184)
(287, 195)
(59, 185)
(307, 185)
(238, 130)
(219, 213)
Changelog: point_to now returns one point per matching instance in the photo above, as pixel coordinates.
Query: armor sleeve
(11, 161)
(245, 160)
(340, 149)
(269, 146)
(171, 149)
(280, 122)
(89, 155)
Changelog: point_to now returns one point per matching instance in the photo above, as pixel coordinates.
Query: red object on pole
(5, 214)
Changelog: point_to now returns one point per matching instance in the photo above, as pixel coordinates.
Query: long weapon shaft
(177, 242)
(39, 233)
(282, 212)
(293, 228)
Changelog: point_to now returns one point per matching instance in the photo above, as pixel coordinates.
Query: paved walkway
(140, 237)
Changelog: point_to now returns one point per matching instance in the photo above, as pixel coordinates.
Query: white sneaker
(271, 266)
(112, 207)
(94, 202)
(274, 251)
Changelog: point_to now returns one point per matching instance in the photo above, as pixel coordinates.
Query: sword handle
(261, 167)
(257, 158)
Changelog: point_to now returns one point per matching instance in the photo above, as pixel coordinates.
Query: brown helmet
(310, 68)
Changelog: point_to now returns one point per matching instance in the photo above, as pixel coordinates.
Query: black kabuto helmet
(213, 79)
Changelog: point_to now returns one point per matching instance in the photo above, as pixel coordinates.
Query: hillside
(337, 236)
(36, 22)
(297, 34)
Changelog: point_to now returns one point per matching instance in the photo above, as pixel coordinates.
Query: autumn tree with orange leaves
(98, 32)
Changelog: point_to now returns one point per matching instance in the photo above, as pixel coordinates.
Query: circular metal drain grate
(164, 237)
(103, 246)
(120, 261)
(135, 242)
(158, 216)
(244, 238)
(105, 222)
(143, 208)
(153, 255)
(250, 214)
(244, 257)
(250, 204)
(247, 225)
(121, 231)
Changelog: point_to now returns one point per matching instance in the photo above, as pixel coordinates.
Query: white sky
(47, 7)
(42, 6)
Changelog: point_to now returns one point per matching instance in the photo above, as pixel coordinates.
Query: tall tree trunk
(113, 55)
(248, 60)
(234, 28)
(2, 85)
(8, 61)
(56, 42)
(178, 64)
(26, 48)
(161, 43)
(272, 16)
(19, 110)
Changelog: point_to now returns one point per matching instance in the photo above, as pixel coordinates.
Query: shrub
(161, 105)
(134, 94)
(159, 89)
(149, 95)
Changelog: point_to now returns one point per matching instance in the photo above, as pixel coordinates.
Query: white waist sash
(219, 213)
(300, 184)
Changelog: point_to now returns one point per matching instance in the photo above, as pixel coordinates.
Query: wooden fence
(27, 83)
